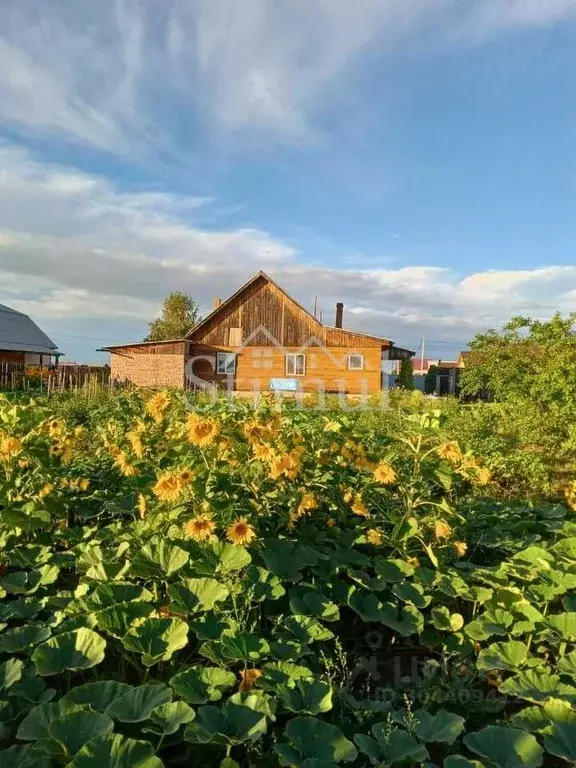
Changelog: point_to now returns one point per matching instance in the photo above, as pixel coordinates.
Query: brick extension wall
(149, 367)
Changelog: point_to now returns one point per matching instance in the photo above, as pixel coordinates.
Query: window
(295, 365)
(355, 362)
(226, 363)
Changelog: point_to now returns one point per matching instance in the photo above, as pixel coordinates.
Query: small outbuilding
(23, 342)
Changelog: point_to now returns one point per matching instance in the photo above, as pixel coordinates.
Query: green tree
(405, 378)
(530, 365)
(179, 315)
(430, 379)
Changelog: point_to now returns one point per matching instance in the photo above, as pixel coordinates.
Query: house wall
(150, 365)
(326, 368)
(11, 357)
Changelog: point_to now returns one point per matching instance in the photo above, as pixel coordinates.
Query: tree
(430, 379)
(405, 378)
(179, 315)
(530, 365)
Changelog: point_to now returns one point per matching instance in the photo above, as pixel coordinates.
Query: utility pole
(422, 354)
(315, 305)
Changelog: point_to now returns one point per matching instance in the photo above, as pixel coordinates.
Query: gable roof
(18, 333)
(262, 275)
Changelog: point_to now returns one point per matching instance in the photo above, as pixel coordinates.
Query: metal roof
(18, 333)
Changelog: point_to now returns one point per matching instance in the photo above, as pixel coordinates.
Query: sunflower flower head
(374, 537)
(240, 532)
(442, 530)
(126, 467)
(359, 507)
(142, 506)
(384, 473)
(199, 528)
(201, 431)
(168, 487)
(186, 476)
(450, 451)
(157, 405)
(460, 547)
(10, 446)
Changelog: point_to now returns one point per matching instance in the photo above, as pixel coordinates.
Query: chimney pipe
(339, 314)
(216, 302)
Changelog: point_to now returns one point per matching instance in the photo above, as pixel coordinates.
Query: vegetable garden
(238, 586)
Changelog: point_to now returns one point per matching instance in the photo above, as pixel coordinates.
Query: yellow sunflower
(483, 476)
(142, 506)
(125, 467)
(199, 528)
(84, 484)
(450, 451)
(461, 548)
(442, 530)
(135, 439)
(263, 452)
(157, 405)
(168, 487)
(240, 532)
(186, 476)
(374, 537)
(10, 446)
(358, 507)
(201, 431)
(384, 473)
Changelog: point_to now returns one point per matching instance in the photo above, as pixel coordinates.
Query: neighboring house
(258, 338)
(462, 358)
(22, 341)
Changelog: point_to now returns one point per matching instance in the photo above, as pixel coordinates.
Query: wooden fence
(42, 380)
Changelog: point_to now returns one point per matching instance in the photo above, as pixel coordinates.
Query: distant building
(22, 341)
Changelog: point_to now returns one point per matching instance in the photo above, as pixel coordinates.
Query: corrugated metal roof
(18, 333)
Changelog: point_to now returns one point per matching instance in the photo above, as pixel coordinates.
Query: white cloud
(112, 74)
(74, 248)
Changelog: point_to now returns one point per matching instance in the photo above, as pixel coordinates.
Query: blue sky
(415, 160)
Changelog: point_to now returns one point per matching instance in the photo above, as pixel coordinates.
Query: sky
(413, 159)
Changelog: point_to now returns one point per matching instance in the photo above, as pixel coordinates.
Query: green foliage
(179, 315)
(405, 379)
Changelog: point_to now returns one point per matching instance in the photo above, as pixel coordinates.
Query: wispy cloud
(73, 246)
(113, 74)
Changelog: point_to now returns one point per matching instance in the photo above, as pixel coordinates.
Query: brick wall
(149, 367)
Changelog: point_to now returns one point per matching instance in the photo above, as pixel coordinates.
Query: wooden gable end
(260, 314)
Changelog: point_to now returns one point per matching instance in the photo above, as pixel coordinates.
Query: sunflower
(450, 451)
(135, 439)
(199, 528)
(84, 484)
(483, 476)
(384, 473)
(46, 490)
(358, 507)
(374, 537)
(10, 446)
(413, 561)
(461, 548)
(186, 476)
(285, 466)
(142, 506)
(247, 679)
(201, 431)
(442, 530)
(240, 532)
(157, 405)
(307, 503)
(256, 432)
(330, 522)
(264, 452)
(125, 467)
(168, 487)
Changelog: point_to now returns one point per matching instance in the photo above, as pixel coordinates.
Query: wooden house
(22, 342)
(259, 339)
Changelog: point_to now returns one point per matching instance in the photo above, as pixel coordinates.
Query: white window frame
(222, 363)
(356, 367)
(291, 358)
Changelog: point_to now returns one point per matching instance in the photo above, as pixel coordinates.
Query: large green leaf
(310, 738)
(391, 746)
(35, 725)
(443, 727)
(510, 656)
(158, 559)
(137, 704)
(221, 557)
(115, 751)
(118, 619)
(236, 647)
(198, 685)
(10, 672)
(22, 757)
(70, 732)
(281, 674)
(98, 695)
(562, 742)
(80, 649)
(233, 724)
(168, 718)
(567, 665)
(196, 595)
(106, 595)
(315, 604)
(392, 570)
(307, 629)
(445, 620)
(24, 638)
(506, 747)
(307, 696)
(565, 625)
(263, 584)
(156, 639)
(537, 685)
